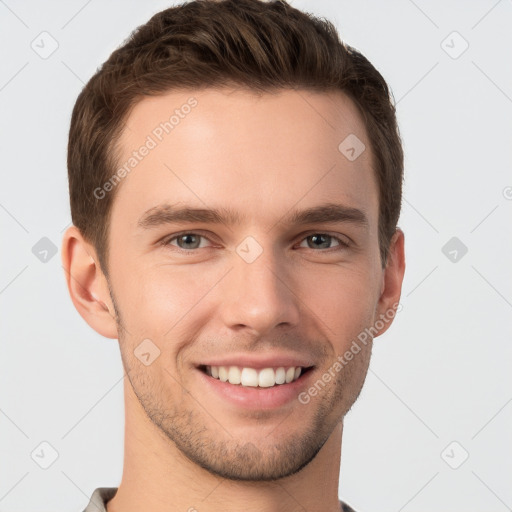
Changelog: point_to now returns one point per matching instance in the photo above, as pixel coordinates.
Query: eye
(324, 240)
(185, 241)
(189, 241)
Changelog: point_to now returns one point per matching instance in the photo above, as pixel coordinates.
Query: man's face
(265, 291)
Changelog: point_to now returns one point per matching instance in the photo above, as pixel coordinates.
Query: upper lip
(258, 361)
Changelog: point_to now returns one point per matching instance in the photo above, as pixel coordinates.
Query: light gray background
(440, 374)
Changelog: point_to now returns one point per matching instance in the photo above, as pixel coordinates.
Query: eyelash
(166, 242)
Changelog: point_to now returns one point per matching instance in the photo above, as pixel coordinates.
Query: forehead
(261, 153)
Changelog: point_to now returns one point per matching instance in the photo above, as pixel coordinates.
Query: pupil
(184, 239)
(325, 237)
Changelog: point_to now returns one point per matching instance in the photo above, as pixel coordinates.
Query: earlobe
(87, 285)
(392, 282)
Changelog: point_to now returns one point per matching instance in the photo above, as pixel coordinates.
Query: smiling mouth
(256, 378)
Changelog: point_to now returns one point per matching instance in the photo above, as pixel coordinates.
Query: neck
(158, 477)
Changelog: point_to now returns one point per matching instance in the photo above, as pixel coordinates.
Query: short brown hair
(261, 46)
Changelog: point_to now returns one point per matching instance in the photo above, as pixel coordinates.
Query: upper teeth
(264, 378)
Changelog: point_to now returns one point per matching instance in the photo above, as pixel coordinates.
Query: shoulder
(345, 507)
(99, 499)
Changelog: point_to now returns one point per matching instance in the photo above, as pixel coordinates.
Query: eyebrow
(324, 213)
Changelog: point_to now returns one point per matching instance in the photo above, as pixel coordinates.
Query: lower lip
(257, 398)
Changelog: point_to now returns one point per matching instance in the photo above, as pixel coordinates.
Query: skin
(263, 155)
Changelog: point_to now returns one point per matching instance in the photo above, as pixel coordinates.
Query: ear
(87, 285)
(392, 279)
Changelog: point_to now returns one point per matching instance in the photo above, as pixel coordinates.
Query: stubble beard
(202, 439)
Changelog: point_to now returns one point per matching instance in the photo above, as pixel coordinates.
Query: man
(246, 130)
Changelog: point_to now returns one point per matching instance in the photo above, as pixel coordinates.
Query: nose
(259, 295)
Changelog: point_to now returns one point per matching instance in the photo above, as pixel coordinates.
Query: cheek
(343, 299)
(153, 300)
(161, 300)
